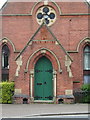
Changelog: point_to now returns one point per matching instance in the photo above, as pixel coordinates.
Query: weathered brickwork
(62, 43)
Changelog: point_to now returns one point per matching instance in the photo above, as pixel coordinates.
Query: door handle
(45, 83)
(39, 83)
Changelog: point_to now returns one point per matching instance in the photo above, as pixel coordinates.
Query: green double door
(43, 84)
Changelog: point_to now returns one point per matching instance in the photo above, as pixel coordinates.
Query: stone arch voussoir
(83, 43)
(8, 42)
(43, 52)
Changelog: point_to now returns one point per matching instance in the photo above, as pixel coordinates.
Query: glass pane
(87, 79)
(46, 9)
(39, 15)
(5, 50)
(87, 49)
(87, 61)
(5, 56)
(5, 61)
(2, 60)
(52, 15)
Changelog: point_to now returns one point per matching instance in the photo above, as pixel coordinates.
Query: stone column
(54, 82)
(0, 47)
(31, 84)
(0, 63)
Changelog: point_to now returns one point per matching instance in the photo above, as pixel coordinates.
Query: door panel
(43, 86)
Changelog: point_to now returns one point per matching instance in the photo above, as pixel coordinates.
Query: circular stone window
(46, 14)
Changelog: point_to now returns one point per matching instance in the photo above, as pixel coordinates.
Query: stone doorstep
(22, 99)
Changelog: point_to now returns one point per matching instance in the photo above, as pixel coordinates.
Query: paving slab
(22, 110)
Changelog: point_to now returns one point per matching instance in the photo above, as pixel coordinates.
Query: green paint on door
(43, 84)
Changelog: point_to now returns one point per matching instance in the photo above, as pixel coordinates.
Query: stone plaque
(17, 91)
(68, 92)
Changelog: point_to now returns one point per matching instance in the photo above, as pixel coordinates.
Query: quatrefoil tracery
(46, 14)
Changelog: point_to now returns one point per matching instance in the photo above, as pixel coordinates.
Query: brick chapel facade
(45, 49)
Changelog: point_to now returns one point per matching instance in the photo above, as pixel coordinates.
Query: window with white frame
(5, 63)
(87, 58)
(5, 56)
(86, 79)
(47, 14)
(86, 54)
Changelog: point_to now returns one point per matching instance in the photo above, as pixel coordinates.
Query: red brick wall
(69, 30)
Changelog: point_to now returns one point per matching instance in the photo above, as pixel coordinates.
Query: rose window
(46, 14)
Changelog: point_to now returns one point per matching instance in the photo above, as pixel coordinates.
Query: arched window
(5, 62)
(86, 53)
(87, 58)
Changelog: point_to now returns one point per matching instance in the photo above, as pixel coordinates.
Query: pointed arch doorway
(43, 83)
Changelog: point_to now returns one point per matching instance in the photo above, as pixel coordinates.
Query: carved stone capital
(68, 65)
(19, 64)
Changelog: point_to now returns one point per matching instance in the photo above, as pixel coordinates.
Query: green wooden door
(43, 85)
